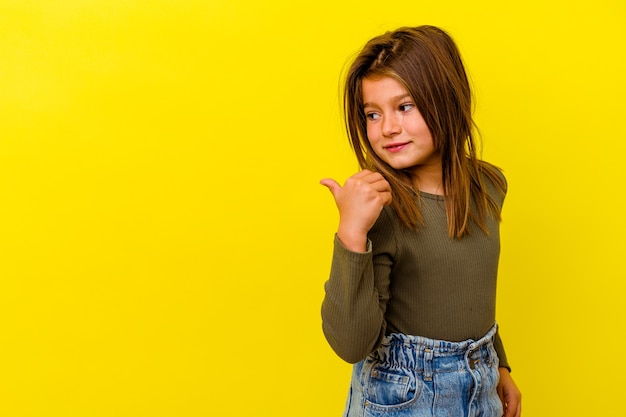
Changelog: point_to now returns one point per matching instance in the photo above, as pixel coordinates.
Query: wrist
(354, 241)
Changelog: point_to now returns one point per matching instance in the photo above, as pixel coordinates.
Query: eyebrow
(396, 98)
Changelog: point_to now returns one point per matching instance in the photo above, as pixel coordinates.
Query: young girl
(411, 295)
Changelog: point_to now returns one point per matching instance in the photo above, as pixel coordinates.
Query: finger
(381, 185)
(386, 197)
(332, 185)
(512, 408)
(361, 175)
(370, 176)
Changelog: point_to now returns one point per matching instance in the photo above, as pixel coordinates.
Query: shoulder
(495, 178)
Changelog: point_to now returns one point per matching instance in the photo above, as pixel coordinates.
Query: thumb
(332, 185)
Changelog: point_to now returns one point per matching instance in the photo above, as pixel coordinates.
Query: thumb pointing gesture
(332, 185)
(360, 202)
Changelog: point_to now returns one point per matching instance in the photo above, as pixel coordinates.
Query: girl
(411, 295)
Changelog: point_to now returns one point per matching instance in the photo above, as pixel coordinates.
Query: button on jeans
(413, 376)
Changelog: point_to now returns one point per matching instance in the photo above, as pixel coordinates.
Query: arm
(497, 344)
(357, 290)
(355, 302)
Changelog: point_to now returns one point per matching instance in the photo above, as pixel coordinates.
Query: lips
(396, 147)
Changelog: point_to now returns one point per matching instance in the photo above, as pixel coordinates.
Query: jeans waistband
(403, 350)
(441, 346)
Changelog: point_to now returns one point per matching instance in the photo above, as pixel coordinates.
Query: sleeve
(353, 310)
(498, 190)
(497, 185)
(498, 345)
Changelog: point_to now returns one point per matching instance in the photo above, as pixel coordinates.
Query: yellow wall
(163, 237)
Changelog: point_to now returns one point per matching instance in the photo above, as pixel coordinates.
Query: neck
(428, 179)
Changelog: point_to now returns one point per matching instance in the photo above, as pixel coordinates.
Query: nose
(392, 125)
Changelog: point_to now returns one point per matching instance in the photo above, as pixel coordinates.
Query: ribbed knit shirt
(417, 282)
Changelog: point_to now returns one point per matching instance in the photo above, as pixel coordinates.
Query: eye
(406, 107)
(372, 116)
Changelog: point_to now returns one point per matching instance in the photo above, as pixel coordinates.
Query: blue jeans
(412, 376)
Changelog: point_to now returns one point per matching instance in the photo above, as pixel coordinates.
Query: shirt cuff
(340, 245)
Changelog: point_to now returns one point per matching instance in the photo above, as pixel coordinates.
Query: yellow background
(163, 237)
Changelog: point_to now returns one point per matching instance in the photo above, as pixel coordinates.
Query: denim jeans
(412, 376)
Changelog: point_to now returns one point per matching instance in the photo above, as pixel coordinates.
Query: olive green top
(417, 282)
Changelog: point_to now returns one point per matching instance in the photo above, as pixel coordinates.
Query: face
(396, 129)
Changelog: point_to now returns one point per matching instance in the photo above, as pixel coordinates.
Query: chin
(400, 165)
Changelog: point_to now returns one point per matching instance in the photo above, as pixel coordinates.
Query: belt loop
(468, 353)
(428, 364)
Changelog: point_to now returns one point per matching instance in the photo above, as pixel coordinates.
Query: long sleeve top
(417, 282)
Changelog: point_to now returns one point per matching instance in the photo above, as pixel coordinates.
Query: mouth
(396, 147)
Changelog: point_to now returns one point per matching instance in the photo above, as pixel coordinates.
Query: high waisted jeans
(412, 376)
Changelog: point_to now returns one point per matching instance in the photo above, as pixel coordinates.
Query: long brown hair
(427, 62)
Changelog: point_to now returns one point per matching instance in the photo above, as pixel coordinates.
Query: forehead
(378, 90)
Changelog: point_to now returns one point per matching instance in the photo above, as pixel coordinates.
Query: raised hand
(360, 201)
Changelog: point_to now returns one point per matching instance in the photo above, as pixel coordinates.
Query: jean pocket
(390, 388)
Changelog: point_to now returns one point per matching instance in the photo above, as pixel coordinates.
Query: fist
(360, 201)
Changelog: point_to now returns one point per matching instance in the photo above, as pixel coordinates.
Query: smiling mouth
(396, 147)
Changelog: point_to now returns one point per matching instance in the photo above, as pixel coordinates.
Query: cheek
(419, 128)
(372, 136)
